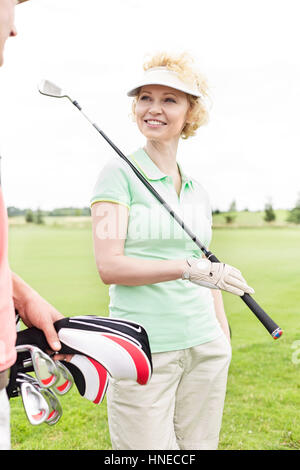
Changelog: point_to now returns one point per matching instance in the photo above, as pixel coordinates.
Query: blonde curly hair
(183, 65)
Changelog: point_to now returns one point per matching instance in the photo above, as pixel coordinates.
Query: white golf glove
(222, 276)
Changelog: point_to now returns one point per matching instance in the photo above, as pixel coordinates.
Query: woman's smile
(154, 123)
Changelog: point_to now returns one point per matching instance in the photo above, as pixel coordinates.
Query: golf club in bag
(40, 404)
(39, 400)
(50, 89)
(44, 367)
(35, 406)
(101, 347)
(65, 381)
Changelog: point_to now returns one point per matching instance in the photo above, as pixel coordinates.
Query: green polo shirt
(176, 314)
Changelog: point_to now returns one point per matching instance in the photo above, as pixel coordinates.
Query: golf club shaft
(262, 316)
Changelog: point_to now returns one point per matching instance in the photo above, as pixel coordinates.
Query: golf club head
(35, 405)
(45, 369)
(65, 381)
(55, 408)
(21, 377)
(48, 88)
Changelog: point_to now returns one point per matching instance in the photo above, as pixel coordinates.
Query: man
(14, 292)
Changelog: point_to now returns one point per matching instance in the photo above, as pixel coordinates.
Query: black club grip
(262, 316)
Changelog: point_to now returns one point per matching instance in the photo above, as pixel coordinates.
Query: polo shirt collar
(151, 171)
(184, 177)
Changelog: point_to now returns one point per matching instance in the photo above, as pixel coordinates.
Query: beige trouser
(180, 408)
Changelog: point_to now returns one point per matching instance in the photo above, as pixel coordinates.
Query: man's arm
(35, 310)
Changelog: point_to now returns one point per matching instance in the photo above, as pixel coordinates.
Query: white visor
(164, 76)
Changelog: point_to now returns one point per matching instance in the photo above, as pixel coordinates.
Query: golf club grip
(263, 317)
(268, 323)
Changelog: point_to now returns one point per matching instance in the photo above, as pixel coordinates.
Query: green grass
(263, 396)
(263, 389)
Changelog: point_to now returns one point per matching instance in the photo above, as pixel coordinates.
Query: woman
(148, 260)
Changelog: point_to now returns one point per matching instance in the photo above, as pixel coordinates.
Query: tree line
(37, 216)
(269, 213)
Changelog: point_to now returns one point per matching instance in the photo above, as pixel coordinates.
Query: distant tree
(232, 207)
(270, 215)
(86, 211)
(229, 218)
(294, 215)
(39, 217)
(70, 211)
(15, 211)
(29, 216)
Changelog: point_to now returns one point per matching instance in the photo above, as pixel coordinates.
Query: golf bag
(101, 347)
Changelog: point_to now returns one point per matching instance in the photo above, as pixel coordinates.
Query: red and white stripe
(122, 358)
(95, 376)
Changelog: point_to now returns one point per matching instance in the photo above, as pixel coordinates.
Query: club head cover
(120, 346)
(90, 377)
(100, 346)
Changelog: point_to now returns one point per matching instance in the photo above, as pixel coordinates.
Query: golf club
(48, 88)
(90, 377)
(54, 406)
(65, 381)
(45, 369)
(35, 405)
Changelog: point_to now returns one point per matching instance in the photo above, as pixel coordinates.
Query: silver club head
(21, 377)
(65, 382)
(55, 408)
(45, 369)
(50, 89)
(35, 405)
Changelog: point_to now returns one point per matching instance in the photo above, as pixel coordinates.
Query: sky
(94, 49)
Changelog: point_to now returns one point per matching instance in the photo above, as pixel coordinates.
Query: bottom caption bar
(133, 459)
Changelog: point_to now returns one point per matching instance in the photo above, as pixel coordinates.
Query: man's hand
(36, 311)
